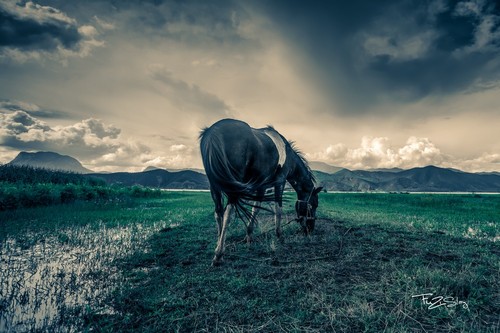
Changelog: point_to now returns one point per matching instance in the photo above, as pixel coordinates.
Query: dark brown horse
(241, 163)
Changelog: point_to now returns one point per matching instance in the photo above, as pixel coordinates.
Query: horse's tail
(224, 177)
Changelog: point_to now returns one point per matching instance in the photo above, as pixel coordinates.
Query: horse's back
(231, 149)
(232, 136)
(229, 129)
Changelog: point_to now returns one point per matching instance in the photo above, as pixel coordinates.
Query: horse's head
(306, 210)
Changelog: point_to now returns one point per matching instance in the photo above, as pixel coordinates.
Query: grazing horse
(241, 162)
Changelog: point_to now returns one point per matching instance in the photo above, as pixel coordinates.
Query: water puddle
(46, 281)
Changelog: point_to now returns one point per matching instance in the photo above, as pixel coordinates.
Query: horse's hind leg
(219, 209)
(219, 250)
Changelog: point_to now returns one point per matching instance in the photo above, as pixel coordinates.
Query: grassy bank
(369, 255)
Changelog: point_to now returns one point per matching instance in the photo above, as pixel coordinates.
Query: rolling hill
(157, 178)
(149, 168)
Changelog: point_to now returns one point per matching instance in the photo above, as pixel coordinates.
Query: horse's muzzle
(307, 224)
(310, 225)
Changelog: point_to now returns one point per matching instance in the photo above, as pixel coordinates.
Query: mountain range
(423, 179)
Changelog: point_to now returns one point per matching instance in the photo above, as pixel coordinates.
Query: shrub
(69, 194)
(8, 197)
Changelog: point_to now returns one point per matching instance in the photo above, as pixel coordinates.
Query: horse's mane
(302, 159)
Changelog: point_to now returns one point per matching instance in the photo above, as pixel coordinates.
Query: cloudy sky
(121, 84)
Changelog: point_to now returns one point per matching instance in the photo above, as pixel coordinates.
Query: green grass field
(143, 265)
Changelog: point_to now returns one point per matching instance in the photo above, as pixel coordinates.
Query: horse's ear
(317, 190)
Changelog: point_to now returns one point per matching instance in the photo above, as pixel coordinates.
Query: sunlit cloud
(379, 153)
(99, 146)
(178, 156)
(89, 140)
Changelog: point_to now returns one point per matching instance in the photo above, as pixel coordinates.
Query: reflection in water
(46, 281)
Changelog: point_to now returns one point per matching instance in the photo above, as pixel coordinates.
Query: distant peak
(151, 168)
(324, 167)
(49, 160)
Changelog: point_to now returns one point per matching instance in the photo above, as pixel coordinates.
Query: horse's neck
(301, 178)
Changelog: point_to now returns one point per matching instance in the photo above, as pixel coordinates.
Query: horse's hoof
(248, 239)
(216, 262)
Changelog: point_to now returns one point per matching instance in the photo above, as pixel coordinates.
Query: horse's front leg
(277, 218)
(278, 209)
(219, 250)
(252, 223)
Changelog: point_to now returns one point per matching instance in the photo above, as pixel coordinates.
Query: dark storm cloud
(29, 31)
(194, 22)
(365, 53)
(34, 27)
